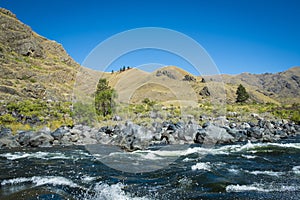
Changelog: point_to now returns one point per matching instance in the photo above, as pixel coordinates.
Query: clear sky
(255, 36)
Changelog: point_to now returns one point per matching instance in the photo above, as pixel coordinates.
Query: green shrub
(45, 112)
(296, 117)
(7, 119)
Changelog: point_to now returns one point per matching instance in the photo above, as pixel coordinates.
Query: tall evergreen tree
(242, 94)
(104, 98)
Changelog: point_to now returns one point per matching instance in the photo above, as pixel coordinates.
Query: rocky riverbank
(131, 136)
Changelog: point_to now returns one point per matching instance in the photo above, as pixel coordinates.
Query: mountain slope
(32, 67)
(283, 86)
(172, 83)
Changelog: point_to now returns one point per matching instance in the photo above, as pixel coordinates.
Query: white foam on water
(41, 180)
(261, 188)
(234, 171)
(296, 170)
(136, 155)
(39, 154)
(206, 151)
(288, 145)
(249, 156)
(87, 179)
(269, 173)
(111, 192)
(151, 156)
(175, 153)
(250, 146)
(202, 166)
(14, 156)
(247, 146)
(188, 159)
(243, 188)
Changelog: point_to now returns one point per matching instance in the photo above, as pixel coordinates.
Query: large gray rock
(214, 135)
(41, 140)
(4, 132)
(24, 137)
(255, 132)
(59, 133)
(8, 142)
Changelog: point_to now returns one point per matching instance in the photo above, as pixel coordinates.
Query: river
(236, 171)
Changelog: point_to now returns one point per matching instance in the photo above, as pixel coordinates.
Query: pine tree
(242, 94)
(104, 98)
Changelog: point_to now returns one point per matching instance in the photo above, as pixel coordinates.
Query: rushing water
(239, 171)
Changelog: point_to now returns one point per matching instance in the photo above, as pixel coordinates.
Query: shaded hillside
(32, 67)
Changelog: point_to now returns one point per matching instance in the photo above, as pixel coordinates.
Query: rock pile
(131, 136)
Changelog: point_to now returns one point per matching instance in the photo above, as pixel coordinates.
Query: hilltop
(172, 83)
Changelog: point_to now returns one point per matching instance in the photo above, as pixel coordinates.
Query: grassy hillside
(32, 67)
(169, 84)
(39, 82)
(36, 77)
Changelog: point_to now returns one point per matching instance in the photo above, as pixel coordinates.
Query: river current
(237, 171)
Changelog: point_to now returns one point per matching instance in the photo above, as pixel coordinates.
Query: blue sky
(255, 36)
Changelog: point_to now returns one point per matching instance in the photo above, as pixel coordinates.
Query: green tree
(104, 98)
(242, 94)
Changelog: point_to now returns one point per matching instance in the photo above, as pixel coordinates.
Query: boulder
(245, 125)
(4, 132)
(255, 132)
(281, 134)
(215, 135)
(200, 136)
(8, 142)
(220, 121)
(59, 133)
(24, 137)
(74, 138)
(41, 140)
(232, 125)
